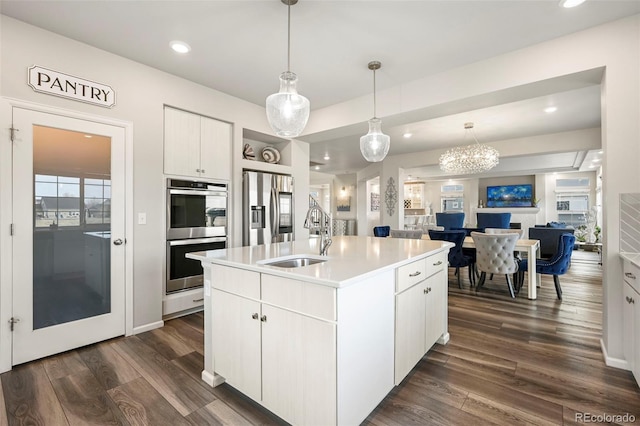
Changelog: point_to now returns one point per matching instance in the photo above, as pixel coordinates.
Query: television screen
(510, 196)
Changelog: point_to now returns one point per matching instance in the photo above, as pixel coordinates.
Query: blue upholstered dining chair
(556, 265)
(493, 220)
(381, 231)
(456, 258)
(450, 220)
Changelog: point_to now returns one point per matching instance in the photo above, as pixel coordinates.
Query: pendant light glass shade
(375, 144)
(287, 111)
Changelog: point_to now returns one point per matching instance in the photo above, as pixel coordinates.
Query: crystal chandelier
(474, 158)
(287, 111)
(375, 144)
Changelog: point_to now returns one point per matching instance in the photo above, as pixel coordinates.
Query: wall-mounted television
(510, 196)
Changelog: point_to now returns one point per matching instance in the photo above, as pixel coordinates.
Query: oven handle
(196, 192)
(196, 241)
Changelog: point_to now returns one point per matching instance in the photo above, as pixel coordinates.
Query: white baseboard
(613, 362)
(148, 327)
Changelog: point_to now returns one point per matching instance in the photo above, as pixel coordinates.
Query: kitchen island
(326, 342)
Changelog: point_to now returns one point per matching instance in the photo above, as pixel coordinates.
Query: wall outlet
(142, 218)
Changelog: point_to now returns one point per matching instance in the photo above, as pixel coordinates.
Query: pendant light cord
(289, 37)
(374, 93)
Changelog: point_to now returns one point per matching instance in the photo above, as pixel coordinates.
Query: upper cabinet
(196, 146)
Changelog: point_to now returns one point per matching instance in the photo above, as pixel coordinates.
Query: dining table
(531, 247)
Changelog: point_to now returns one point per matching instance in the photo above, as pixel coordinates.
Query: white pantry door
(68, 237)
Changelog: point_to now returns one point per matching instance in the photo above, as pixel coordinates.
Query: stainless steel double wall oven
(196, 221)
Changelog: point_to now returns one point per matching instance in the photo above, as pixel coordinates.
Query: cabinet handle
(202, 171)
(630, 299)
(629, 275)
(415, 274)
(254, 316)
(198, 170)
(263, 318)
(438, 263)
(427, 290)
(198, 300)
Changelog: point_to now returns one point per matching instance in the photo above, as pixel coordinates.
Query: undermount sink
(293, 262)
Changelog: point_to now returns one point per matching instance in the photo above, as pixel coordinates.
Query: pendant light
(287, 111)
(375, 144)
(474, 158)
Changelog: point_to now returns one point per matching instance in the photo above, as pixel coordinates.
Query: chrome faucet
(325, 231)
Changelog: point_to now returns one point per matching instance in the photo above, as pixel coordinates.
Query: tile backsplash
(630, 223)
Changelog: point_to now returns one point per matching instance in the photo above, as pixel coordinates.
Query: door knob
(118, 242)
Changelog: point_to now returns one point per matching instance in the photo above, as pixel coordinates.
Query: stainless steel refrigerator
(267, 208)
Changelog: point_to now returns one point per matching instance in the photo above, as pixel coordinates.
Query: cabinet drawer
(237, 281)
(436, 263)
(632, 275)
(311, 299)
(182, 301)
(410, 274)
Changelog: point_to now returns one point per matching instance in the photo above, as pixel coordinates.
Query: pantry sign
(55, 83)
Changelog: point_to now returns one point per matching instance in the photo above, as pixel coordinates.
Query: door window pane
(71, 235)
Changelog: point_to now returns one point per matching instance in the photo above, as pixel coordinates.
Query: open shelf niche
(258, 142)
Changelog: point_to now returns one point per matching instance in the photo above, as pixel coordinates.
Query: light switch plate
(142, 218)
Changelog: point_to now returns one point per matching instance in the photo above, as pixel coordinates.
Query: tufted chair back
(415, 234)
(494, 252)
(456, 258)
(493, 220)
(450, 220)
(520, 232)
(381, 231)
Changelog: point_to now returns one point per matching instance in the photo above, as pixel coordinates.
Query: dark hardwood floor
(508, 362)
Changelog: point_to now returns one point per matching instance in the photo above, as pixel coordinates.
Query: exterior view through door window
(71, 235)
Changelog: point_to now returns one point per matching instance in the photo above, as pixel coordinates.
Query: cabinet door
(299, 367)
(636, 337)
(181, 143)
(436, 308)
(410, 329)
(628, 325)
(215, 149)
(236, 341)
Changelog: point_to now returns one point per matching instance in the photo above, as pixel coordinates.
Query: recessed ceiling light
(326, 157)
(595, 160)
(592, 166)
(407, 135)
(600, 152)
(570, 3)
(180, 46)
(88, 136)
(550, 109)
(317, 167)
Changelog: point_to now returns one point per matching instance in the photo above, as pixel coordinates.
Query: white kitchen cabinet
(421, 316)
(236, 333)
(286, 360)
(196, 146)
(298, 367)
(631, 318)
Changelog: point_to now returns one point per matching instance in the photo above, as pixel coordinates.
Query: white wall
(141, 94)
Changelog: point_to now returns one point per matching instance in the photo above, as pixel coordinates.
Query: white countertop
(634, 258)
(350, 258)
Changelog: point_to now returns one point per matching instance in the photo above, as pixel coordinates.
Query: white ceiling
(239, 47)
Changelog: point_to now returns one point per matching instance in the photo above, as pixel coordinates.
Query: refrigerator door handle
(274, 212)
